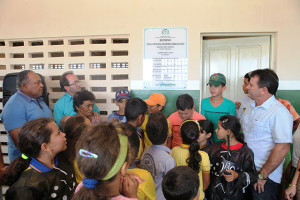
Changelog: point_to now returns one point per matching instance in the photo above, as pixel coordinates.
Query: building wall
(35, 18)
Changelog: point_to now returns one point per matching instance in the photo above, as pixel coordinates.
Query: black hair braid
(195, 157)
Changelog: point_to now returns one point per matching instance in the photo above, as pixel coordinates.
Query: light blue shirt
(157, 160)
(264, 126)
(121, 118)
(20, 109)
(64, 107)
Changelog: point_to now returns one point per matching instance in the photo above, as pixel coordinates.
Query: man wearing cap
(217, 106)
(64, 106)
(122, 95)
(156, 103)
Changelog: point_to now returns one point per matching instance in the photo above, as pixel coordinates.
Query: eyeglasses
(75, 83)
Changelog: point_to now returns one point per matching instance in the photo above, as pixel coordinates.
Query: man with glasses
(64, 106)
(26, 104)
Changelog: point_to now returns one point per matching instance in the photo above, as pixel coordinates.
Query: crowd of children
(136, 155)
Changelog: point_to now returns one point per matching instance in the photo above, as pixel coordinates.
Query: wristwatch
(262, 177)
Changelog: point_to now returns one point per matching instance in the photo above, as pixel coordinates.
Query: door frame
(223, 35)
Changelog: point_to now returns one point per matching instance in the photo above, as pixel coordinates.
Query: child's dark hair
(134, 108)
(157, 128)
(74, 127)
(230, 122)
(189, 131)
(184, 101)
(180, 183)
(247, 76)
(31, 136)
(101, 141)
(207, 126)
(133, 140)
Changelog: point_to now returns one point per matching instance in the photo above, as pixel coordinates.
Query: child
(189, 154)
(185, 110)
(135, 111)
(206, 130)
(216, 106)
(146, 190)
(122, 95)
(157, 159)
(246, 101)
(102, 159)
(232, 162)
(181, 183)
(74, 127)
(39, 173)
(156, 103)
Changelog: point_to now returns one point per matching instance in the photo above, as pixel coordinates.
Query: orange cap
(156, 98)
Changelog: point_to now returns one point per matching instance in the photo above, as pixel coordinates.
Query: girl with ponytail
(189, 154)
(102, 157)
(232, 161)
(40, 172)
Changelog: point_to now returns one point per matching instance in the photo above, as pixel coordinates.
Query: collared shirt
(64, 107)
(263, 127)
(246, 103)
(157, 160)
(291, 109)
(40, 167)
(181, 153)
(20, 109)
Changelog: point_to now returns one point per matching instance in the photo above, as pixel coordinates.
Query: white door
(234, 57)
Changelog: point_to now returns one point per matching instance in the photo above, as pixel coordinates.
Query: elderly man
(64, 106)
(26, 104)
(267, 126)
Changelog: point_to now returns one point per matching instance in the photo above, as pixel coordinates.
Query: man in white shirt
(267, 126)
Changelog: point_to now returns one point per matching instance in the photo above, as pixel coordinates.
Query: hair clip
(87, 154)
(193, 138)
(24, 156)
(224, 121)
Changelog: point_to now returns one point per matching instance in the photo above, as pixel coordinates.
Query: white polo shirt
(263, 127)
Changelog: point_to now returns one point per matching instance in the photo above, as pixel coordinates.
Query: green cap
(216, 79)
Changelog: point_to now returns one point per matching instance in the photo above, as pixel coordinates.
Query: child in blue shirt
(122, 95)
(217, 106)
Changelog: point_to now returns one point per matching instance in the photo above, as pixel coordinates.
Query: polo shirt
(245, 103)
(64, 107)
(176, 122)
(146, 190)
(263, 127)
(181, 154)
(157, 160)
(213, 114)
(18, 110)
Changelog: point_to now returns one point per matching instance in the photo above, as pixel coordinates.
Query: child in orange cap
(156, 103)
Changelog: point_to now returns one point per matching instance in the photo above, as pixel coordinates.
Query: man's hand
(259, 186)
